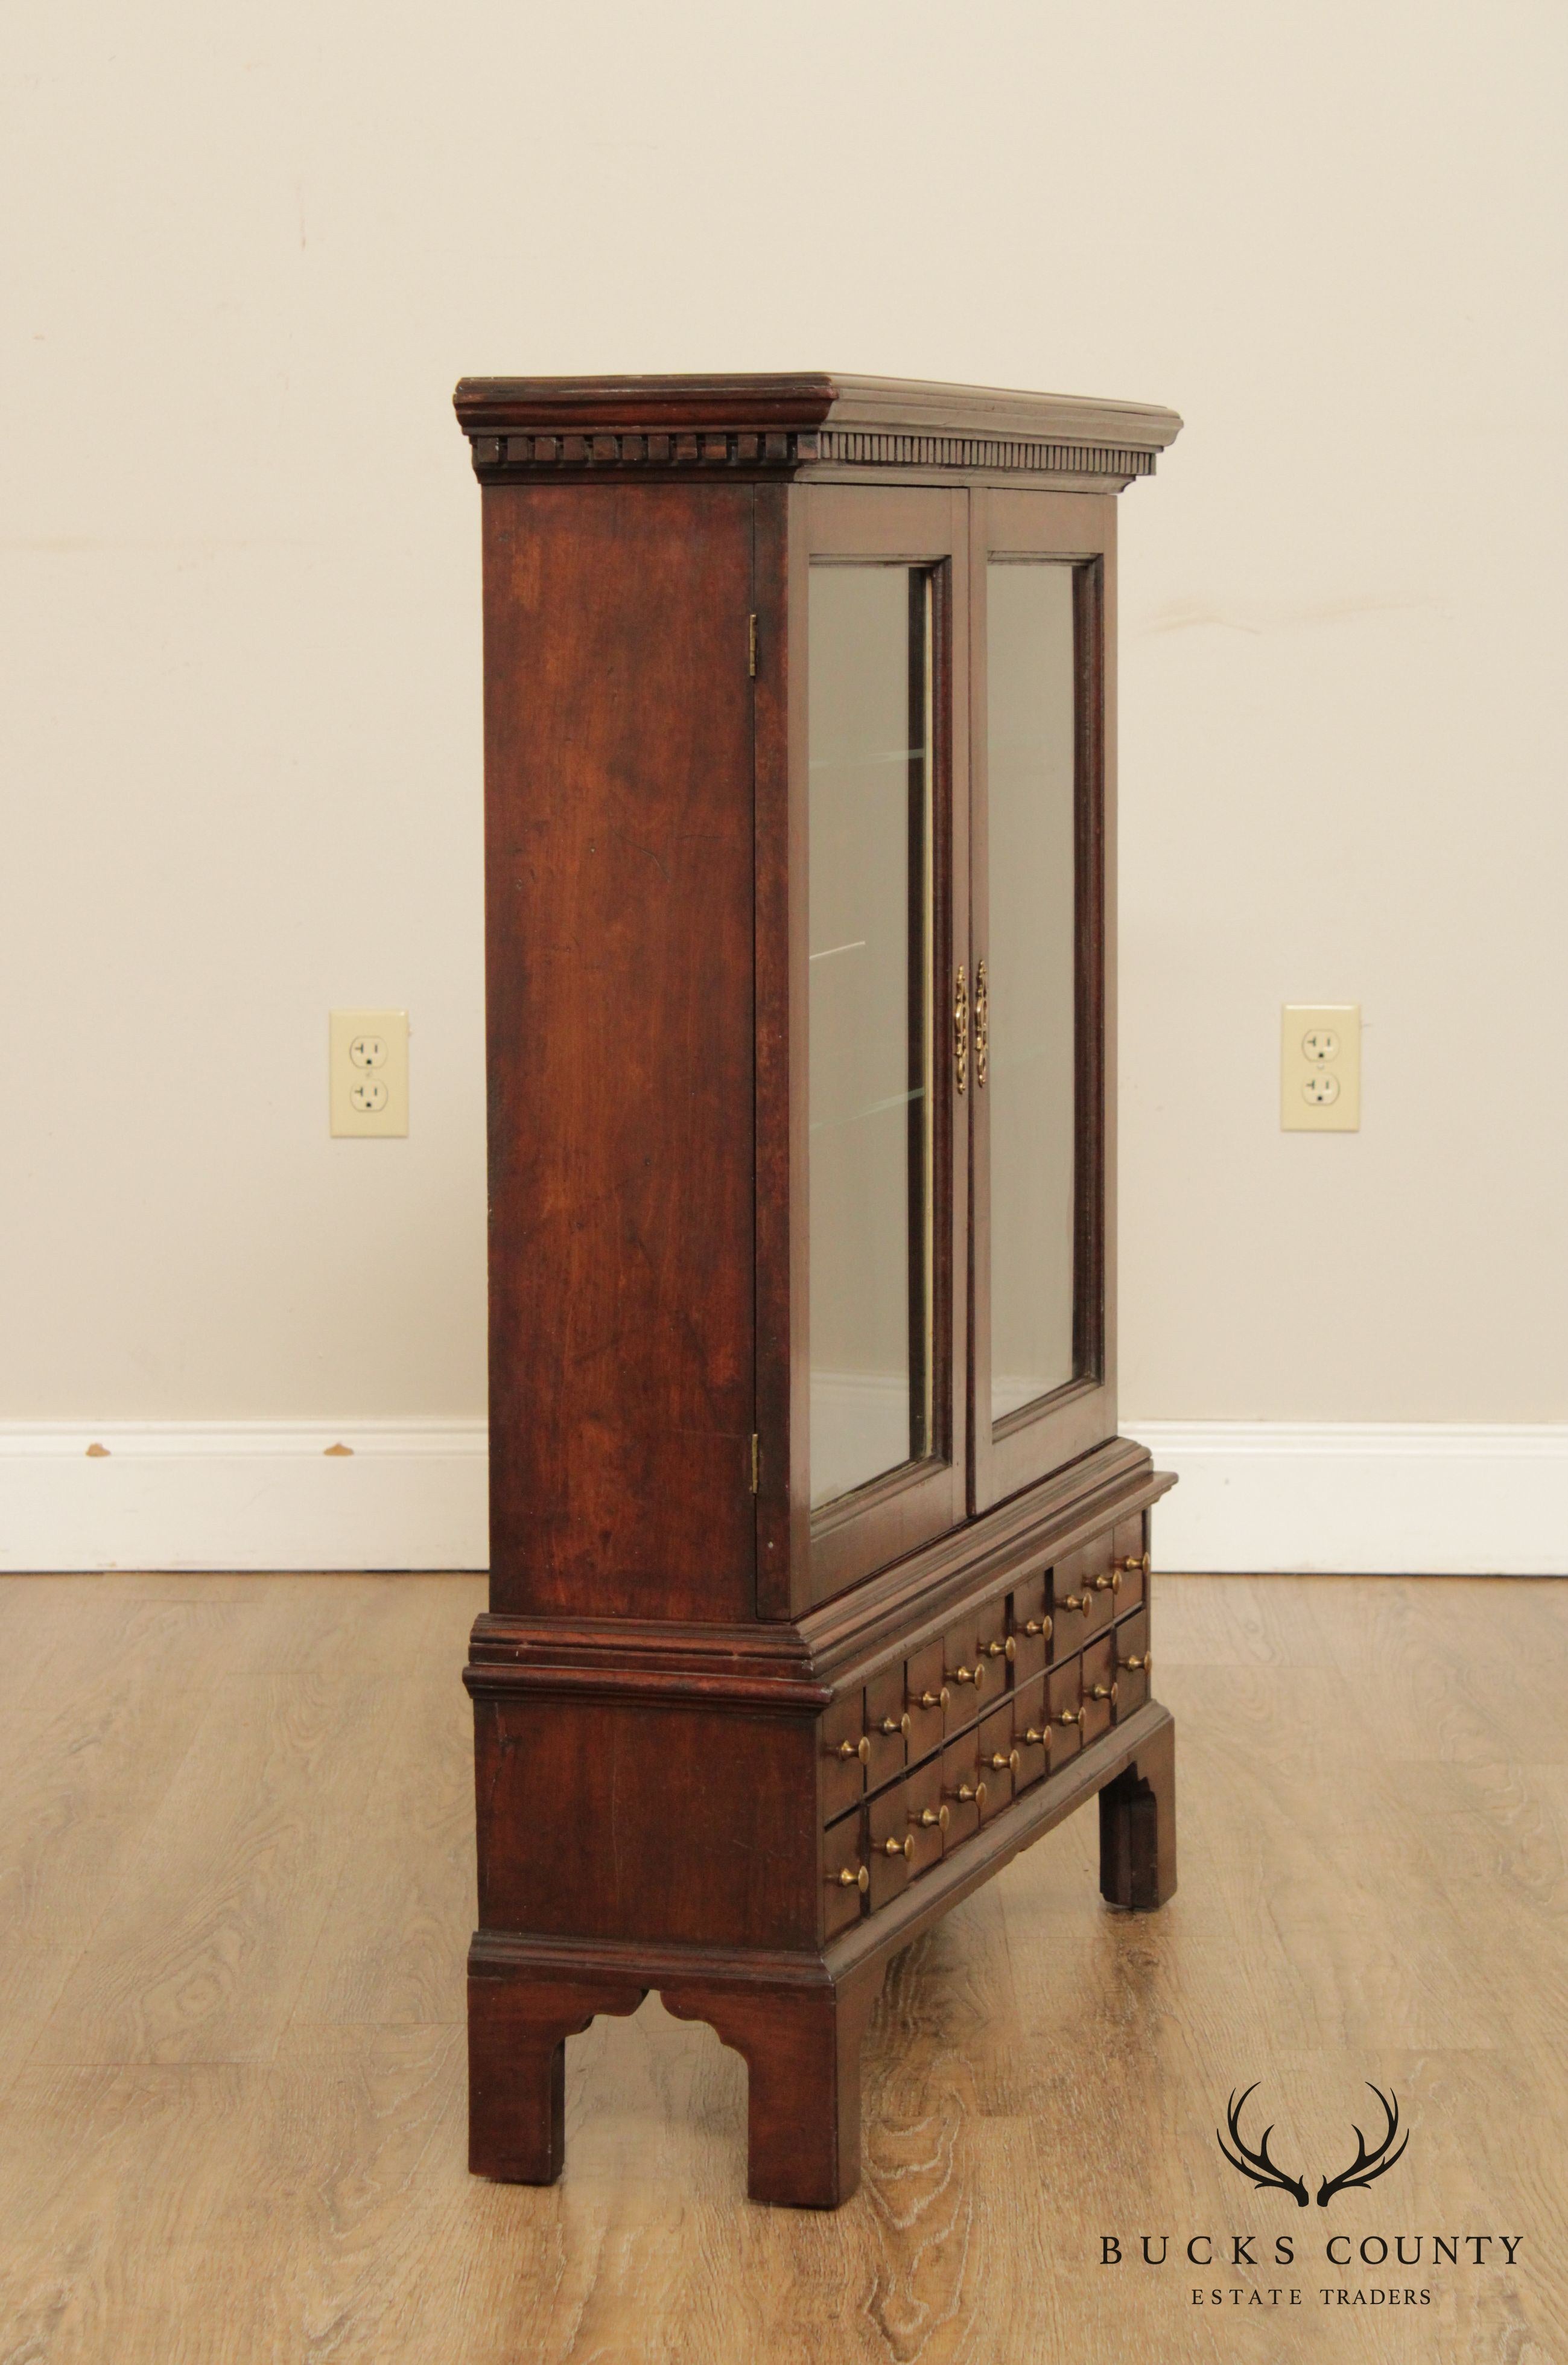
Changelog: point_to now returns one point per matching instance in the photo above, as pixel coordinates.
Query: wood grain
(1362, 1897)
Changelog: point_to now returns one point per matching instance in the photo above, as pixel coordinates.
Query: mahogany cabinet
(819, 1572)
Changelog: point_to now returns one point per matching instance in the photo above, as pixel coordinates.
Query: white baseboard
(1369, 1498)
(245, 1495)
(1319, 1497)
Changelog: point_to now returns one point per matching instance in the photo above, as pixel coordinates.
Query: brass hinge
(751, 647)
(756, 1462)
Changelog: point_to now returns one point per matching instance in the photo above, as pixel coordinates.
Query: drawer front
(926, 1815)
(994, 1646)
(961, 1786)
(967, 1677)
(997, 1759)
(1064, 1697)
(845, 1752)
(1078, 1608)
(1132, 1662)
(888, 1725)
(1099, 1688)
(845, 1879)
(1031, 1734)
(890, 1852)
(1130, 1562)
(1029, 1619)
(923, 1698)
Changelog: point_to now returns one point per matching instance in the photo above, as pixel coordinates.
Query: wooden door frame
(1037, 1438)
(801, 1560)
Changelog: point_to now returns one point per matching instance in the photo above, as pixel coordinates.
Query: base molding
(243, 1495)
(1373, 1498)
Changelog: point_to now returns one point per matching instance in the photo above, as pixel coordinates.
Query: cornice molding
(782, 427)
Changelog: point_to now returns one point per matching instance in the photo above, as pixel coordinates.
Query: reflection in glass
(1031, 746)
(870, 895)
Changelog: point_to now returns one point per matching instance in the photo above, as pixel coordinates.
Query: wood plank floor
(236, 1885)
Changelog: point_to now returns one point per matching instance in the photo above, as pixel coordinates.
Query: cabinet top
(811, 423)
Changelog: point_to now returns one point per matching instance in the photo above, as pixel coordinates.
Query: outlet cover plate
(367, 1073)
(1321, 1067)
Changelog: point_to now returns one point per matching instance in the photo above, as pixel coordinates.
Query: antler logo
(1264, 2173)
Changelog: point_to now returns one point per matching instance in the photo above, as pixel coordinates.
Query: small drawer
(846, 1878)
(845, 1752)
(962, 1784)
(1031, 1734)
(1030, 1624)
(1064, 1705)
(1099, 1687)
(1132, 1662)
(888, 1726)
(999, 1760)
(926, 1813)
(994, 1646)
(891, 1852)
(967, 1678)
(1129, 1558)
(925, 1697)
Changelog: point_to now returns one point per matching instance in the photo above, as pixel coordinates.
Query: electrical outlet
(367, 1072)
(1321, 1067)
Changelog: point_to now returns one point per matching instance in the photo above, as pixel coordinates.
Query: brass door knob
(930, 1821)
(975, 1675)
(1038, 1736)
(861, 1749)
(1008, 1650)
(1136, 1564)
(1103, 1691)
(930, 1699)
(1070, 1716)
(899, 1847)
(1039, 1626)
(999, 1765)
(895, 1724)
(852, 1876)
(1144, 1659)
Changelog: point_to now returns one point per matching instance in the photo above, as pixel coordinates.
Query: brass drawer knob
(1038, 1736)
(1112, 1584)
(1136, 1564)
(899, 1847)
(1070, 1716)
(861, 1749)
(1079, 1601)
(1144, 1659)
(895, 1724)
(931, 1818)
(975, 1675)
(969, 1792)
(1103, 1691)
(1008, 1650)
(999, 1765)
(853, 1875)
(930, 1699)
(1041, 1626)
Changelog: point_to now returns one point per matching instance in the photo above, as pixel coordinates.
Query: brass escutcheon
(961, 1033)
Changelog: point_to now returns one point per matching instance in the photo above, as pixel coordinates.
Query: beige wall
(247, 252)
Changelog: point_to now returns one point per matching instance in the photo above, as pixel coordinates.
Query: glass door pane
(870, 896)
(1027, 977)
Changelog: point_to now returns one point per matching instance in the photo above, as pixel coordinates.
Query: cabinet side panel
(618, 841)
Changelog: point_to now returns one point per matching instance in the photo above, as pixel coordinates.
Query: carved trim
(767, 450)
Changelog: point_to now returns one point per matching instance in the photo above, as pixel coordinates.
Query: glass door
(1040, 1386)
(885, 1420)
